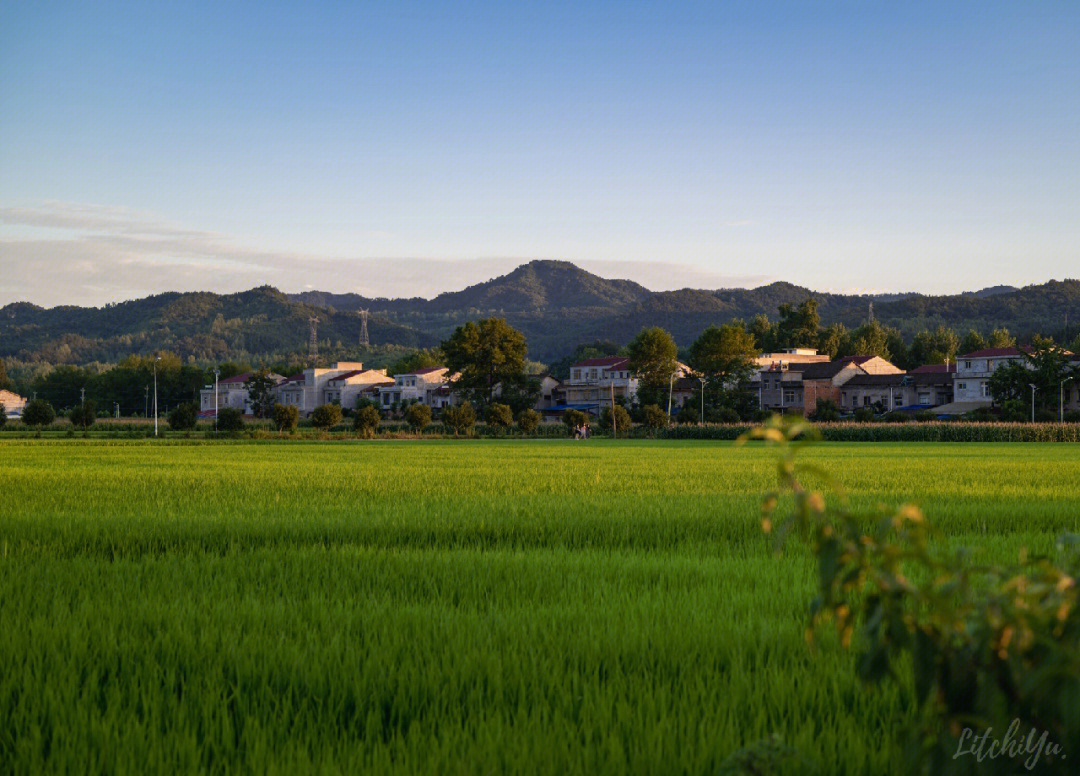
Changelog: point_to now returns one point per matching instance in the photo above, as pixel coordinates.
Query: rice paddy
(451, 607)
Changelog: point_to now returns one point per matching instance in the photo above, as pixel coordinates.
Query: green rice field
(442, 607)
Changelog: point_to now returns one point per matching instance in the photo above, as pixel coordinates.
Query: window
(986, 390)
(962, 386)
(866, 401)
(967, 365)
(924, 398)
(898, 401)
(789, 396)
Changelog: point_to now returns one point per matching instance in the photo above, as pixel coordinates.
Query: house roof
(241, 378)
(603, 361)
(875, 380)
(992, 353)
(831, 369)
(926, 369)
(425, 370)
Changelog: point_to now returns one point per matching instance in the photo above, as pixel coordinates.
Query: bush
(366, 420)
(896, 416)
(38, 412)
(3, 415)
(418, 416)
(183, 417)
(925, 416)
(1014, 411)
(574, 418)
(622, 420)
(726, 415)
(528, 420)
(1071, 416)
(687, 415)
(653, 417)
(84, 415)
(500, 416)
(230, 419)
(864, 415)
(826, 412)
(326, 416)
(461, 418)
(285, 417)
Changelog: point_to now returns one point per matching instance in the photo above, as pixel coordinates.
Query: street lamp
(158, 358)
(670, 389)
(1032, 386)
(216, 373)
(703, 381)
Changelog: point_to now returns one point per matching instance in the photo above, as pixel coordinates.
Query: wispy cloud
(70, 253)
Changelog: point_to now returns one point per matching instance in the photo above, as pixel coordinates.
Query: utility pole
(703, 381)
(146, 403)
(670, 388)
(1061, 400)
(155, 398)
(614, 420)
(216, 373)
(1032, 385)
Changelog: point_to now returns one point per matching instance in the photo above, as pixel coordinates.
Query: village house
(429, 386)
(232, 392)
(594, 381)
(799, 386)
(347, 388)
(314, 386)
(971, 383)
(13, 403)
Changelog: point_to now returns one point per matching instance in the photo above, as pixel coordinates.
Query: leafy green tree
(833, 340)
(653, 359)
(763, 332)
(286, 417)
(260, 388)
(483, 355)
(528, 420)
(574, 418)
(230, 419)
(875, 339)
(653, 417)
(725, 356)
(972, 342)
(366, 420)
(1001, 338)
(418, 416)
(1045, 366)
(418, 359)
(460, 418)
(83, 415)
(5, 381)
(621, 417)
(183, 417)
(38, 412)
(798, 326)
(3, 415)
(933, 347)
(326, 416)
(500, 416)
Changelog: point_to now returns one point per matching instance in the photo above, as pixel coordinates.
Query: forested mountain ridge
(555, 304)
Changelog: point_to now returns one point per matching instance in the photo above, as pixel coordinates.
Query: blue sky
(408, 148)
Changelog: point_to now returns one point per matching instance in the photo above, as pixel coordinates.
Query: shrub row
(895, 432)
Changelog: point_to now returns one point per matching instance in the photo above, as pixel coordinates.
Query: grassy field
(443, 607)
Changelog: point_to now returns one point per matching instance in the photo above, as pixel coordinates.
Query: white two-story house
(427, 386)
(971, 381)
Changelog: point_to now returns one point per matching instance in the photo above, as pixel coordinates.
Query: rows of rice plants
(403, 607)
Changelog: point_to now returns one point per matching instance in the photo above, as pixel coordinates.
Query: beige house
(347, 388)
(313, 387)
(799, 386)
(428, 386)
(13, 403)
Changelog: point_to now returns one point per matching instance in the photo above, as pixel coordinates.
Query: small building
(971, 383)
(799, 386)
(313, 387)
(13, 403)
(423, 386)
(231, 392)
(347, 388)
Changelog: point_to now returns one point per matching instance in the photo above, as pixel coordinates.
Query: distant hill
(556, 304)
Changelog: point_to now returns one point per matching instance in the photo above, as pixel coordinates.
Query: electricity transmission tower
(313, 341)
(363, 328)
(871, 318)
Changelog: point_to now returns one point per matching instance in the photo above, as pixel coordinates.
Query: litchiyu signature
(1032, 747)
